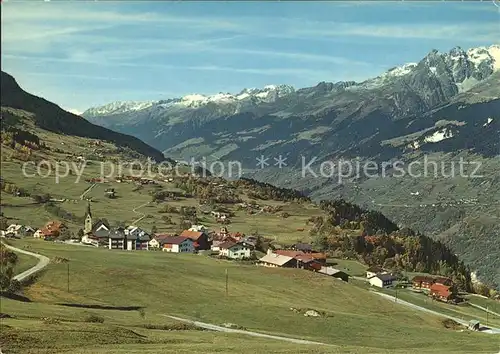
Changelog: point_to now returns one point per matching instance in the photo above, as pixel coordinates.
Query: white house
(215, 245)
(235, 250)
(154, 243)
(373, 271)
(19, 230)
(177, 244)
(382, 280)
(141, 237)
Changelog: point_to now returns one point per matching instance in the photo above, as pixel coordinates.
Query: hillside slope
(51, 117)
(443, 108)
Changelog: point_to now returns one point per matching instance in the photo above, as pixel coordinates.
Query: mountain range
(445, 107)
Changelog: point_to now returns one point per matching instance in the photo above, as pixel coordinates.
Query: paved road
(42, 263)
(491, 330)
(231, 330)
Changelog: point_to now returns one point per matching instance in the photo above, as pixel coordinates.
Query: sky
(82, 54)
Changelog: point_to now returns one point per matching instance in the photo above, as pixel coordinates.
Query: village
(235, 246)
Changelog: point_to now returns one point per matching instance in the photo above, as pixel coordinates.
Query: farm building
(442, 292)
(277, 260)
(422, 282)
(382, 280)
(334, 273)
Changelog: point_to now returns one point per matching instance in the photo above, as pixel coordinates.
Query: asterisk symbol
(262, 161)
(280, 161)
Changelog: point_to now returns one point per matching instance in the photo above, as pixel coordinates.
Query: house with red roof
(422, 282)
(52, 229)
(317, 257)
(177, 244)
(200, 239)
(442, 292)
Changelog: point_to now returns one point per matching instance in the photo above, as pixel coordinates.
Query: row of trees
(266, 191)
(208, 191)
(8, 261)
(378, 241)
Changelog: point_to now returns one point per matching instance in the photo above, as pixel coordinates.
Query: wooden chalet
(421, 282)
(442, 292)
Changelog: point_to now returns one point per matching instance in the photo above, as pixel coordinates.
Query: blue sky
(80, 54)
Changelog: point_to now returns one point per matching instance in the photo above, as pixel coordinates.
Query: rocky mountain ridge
(445, 107)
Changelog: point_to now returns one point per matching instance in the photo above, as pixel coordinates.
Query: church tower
(88, 220)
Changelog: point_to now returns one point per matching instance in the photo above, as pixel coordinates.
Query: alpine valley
(444, 109)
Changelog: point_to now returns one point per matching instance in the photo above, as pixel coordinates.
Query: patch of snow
(438, 136)
(402, 70)
(488, 122)
(478, 55)
(415, 145)
(242, 96)
(494, 52)
(120, 107)
(433, 69)
(262, 94)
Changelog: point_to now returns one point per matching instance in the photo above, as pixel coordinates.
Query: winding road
(143, 215)
(42, 263)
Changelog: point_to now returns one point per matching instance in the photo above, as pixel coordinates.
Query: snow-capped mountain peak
(119, 107)
(458, 70)
(268, 93)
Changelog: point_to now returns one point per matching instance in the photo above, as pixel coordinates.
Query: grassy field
(24, 262)
(193, 286)
(492, 305)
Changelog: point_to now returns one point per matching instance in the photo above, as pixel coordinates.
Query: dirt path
(143, 215)
(87, 190)
(42, 263)
(231, 330)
